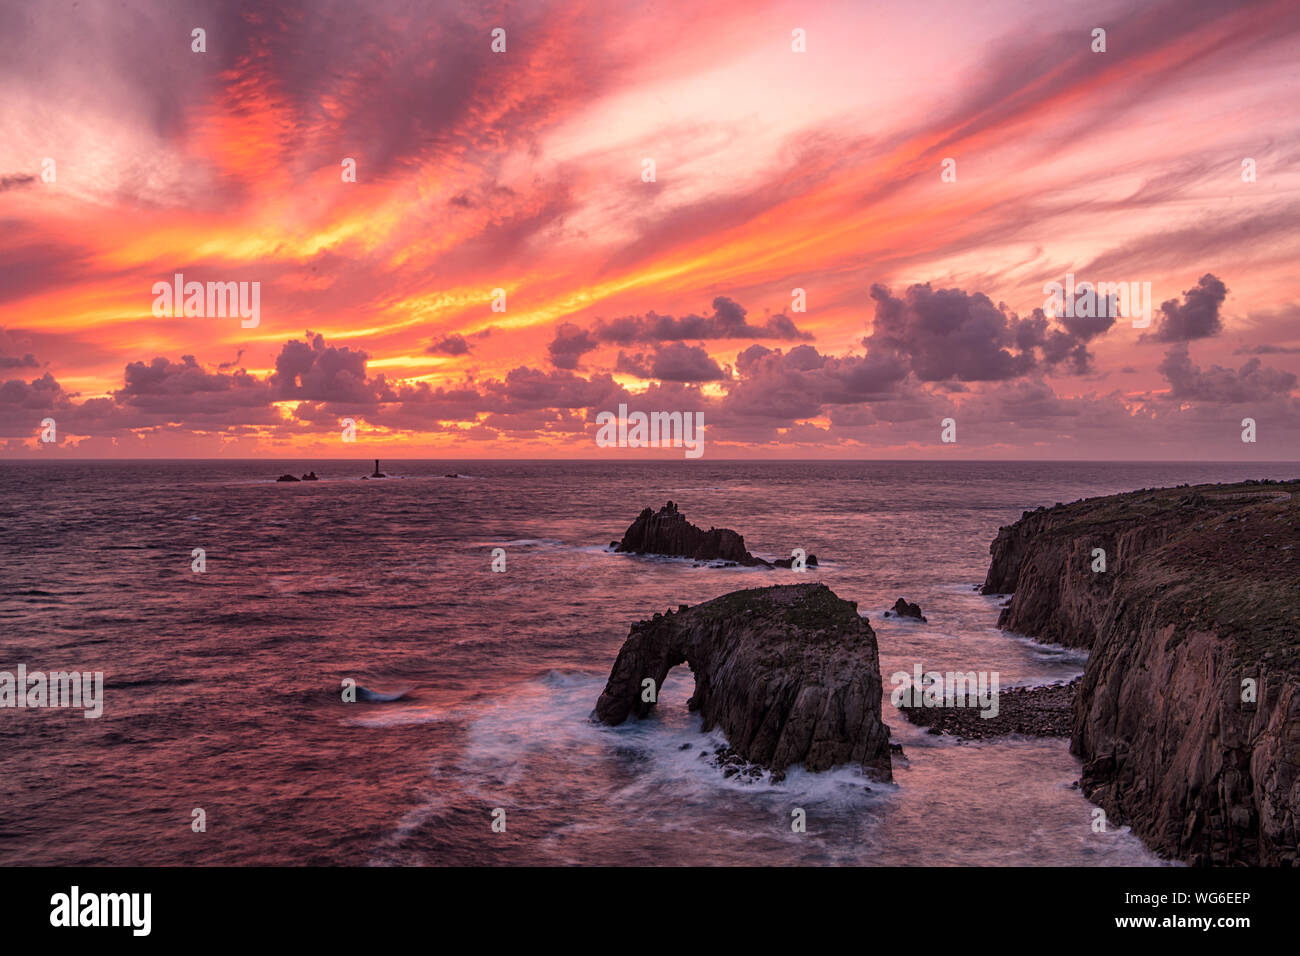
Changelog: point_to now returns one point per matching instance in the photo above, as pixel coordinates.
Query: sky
(826, 228)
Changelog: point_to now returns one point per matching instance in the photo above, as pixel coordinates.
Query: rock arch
(790, 673)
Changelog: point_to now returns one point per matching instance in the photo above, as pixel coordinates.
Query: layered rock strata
(1187, 718)
(789, 673)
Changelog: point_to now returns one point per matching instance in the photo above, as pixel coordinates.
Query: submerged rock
(287, 478)
(810, 562)
(1187, 718)
(789, 673)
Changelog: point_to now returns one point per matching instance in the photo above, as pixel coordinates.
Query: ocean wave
(380, 696)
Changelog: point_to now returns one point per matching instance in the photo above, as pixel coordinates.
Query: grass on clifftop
(818, 607)
(1129, 506)
(1240, 573)
(1230, 564)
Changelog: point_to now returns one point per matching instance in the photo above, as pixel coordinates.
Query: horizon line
(685, 462)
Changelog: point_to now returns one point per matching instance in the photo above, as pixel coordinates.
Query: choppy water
(223, 688)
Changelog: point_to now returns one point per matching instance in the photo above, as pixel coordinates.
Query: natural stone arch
(790, 674)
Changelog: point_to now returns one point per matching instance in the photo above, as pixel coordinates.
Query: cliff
(789, 673)
(1200, 593)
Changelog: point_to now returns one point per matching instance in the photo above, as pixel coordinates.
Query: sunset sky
(775, 170)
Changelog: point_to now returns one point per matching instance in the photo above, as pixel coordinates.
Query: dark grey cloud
(526, 389)
(39, 395)
(953, 335)
(1196, 317)
(727, 321)
(569, 345)
(1253, 382)
(16, 181)
(1268, 350)
(675, 362)
(782, 386)
(314, 371)
(450, 345)
(186, 390)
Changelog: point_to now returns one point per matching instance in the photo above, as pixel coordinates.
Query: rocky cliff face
(1045, 560)
(1200, 593)
(789, 673)
(667, 531)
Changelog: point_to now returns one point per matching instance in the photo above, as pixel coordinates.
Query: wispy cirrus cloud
(521, 172)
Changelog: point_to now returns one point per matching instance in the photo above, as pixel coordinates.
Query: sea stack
(790, 674)
(1187, 718)
(667, 532)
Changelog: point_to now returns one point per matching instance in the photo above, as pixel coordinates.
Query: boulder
(790, 674)
(903, 608)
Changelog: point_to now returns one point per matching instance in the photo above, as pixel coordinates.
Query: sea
(230, 614)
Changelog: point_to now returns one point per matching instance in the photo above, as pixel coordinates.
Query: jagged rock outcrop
(905, 608)
(1200, 593)
(667, 532)
(789, 673)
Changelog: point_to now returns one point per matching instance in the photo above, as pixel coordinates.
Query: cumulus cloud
(183, 388)
(450, 345)
(1251, 383)
(800, 383)
(1196, 317)
(314, 371)
(954, 335)
(675, 362)
(39, 395)
(727, 321)
(569, 345)
(930, 353)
